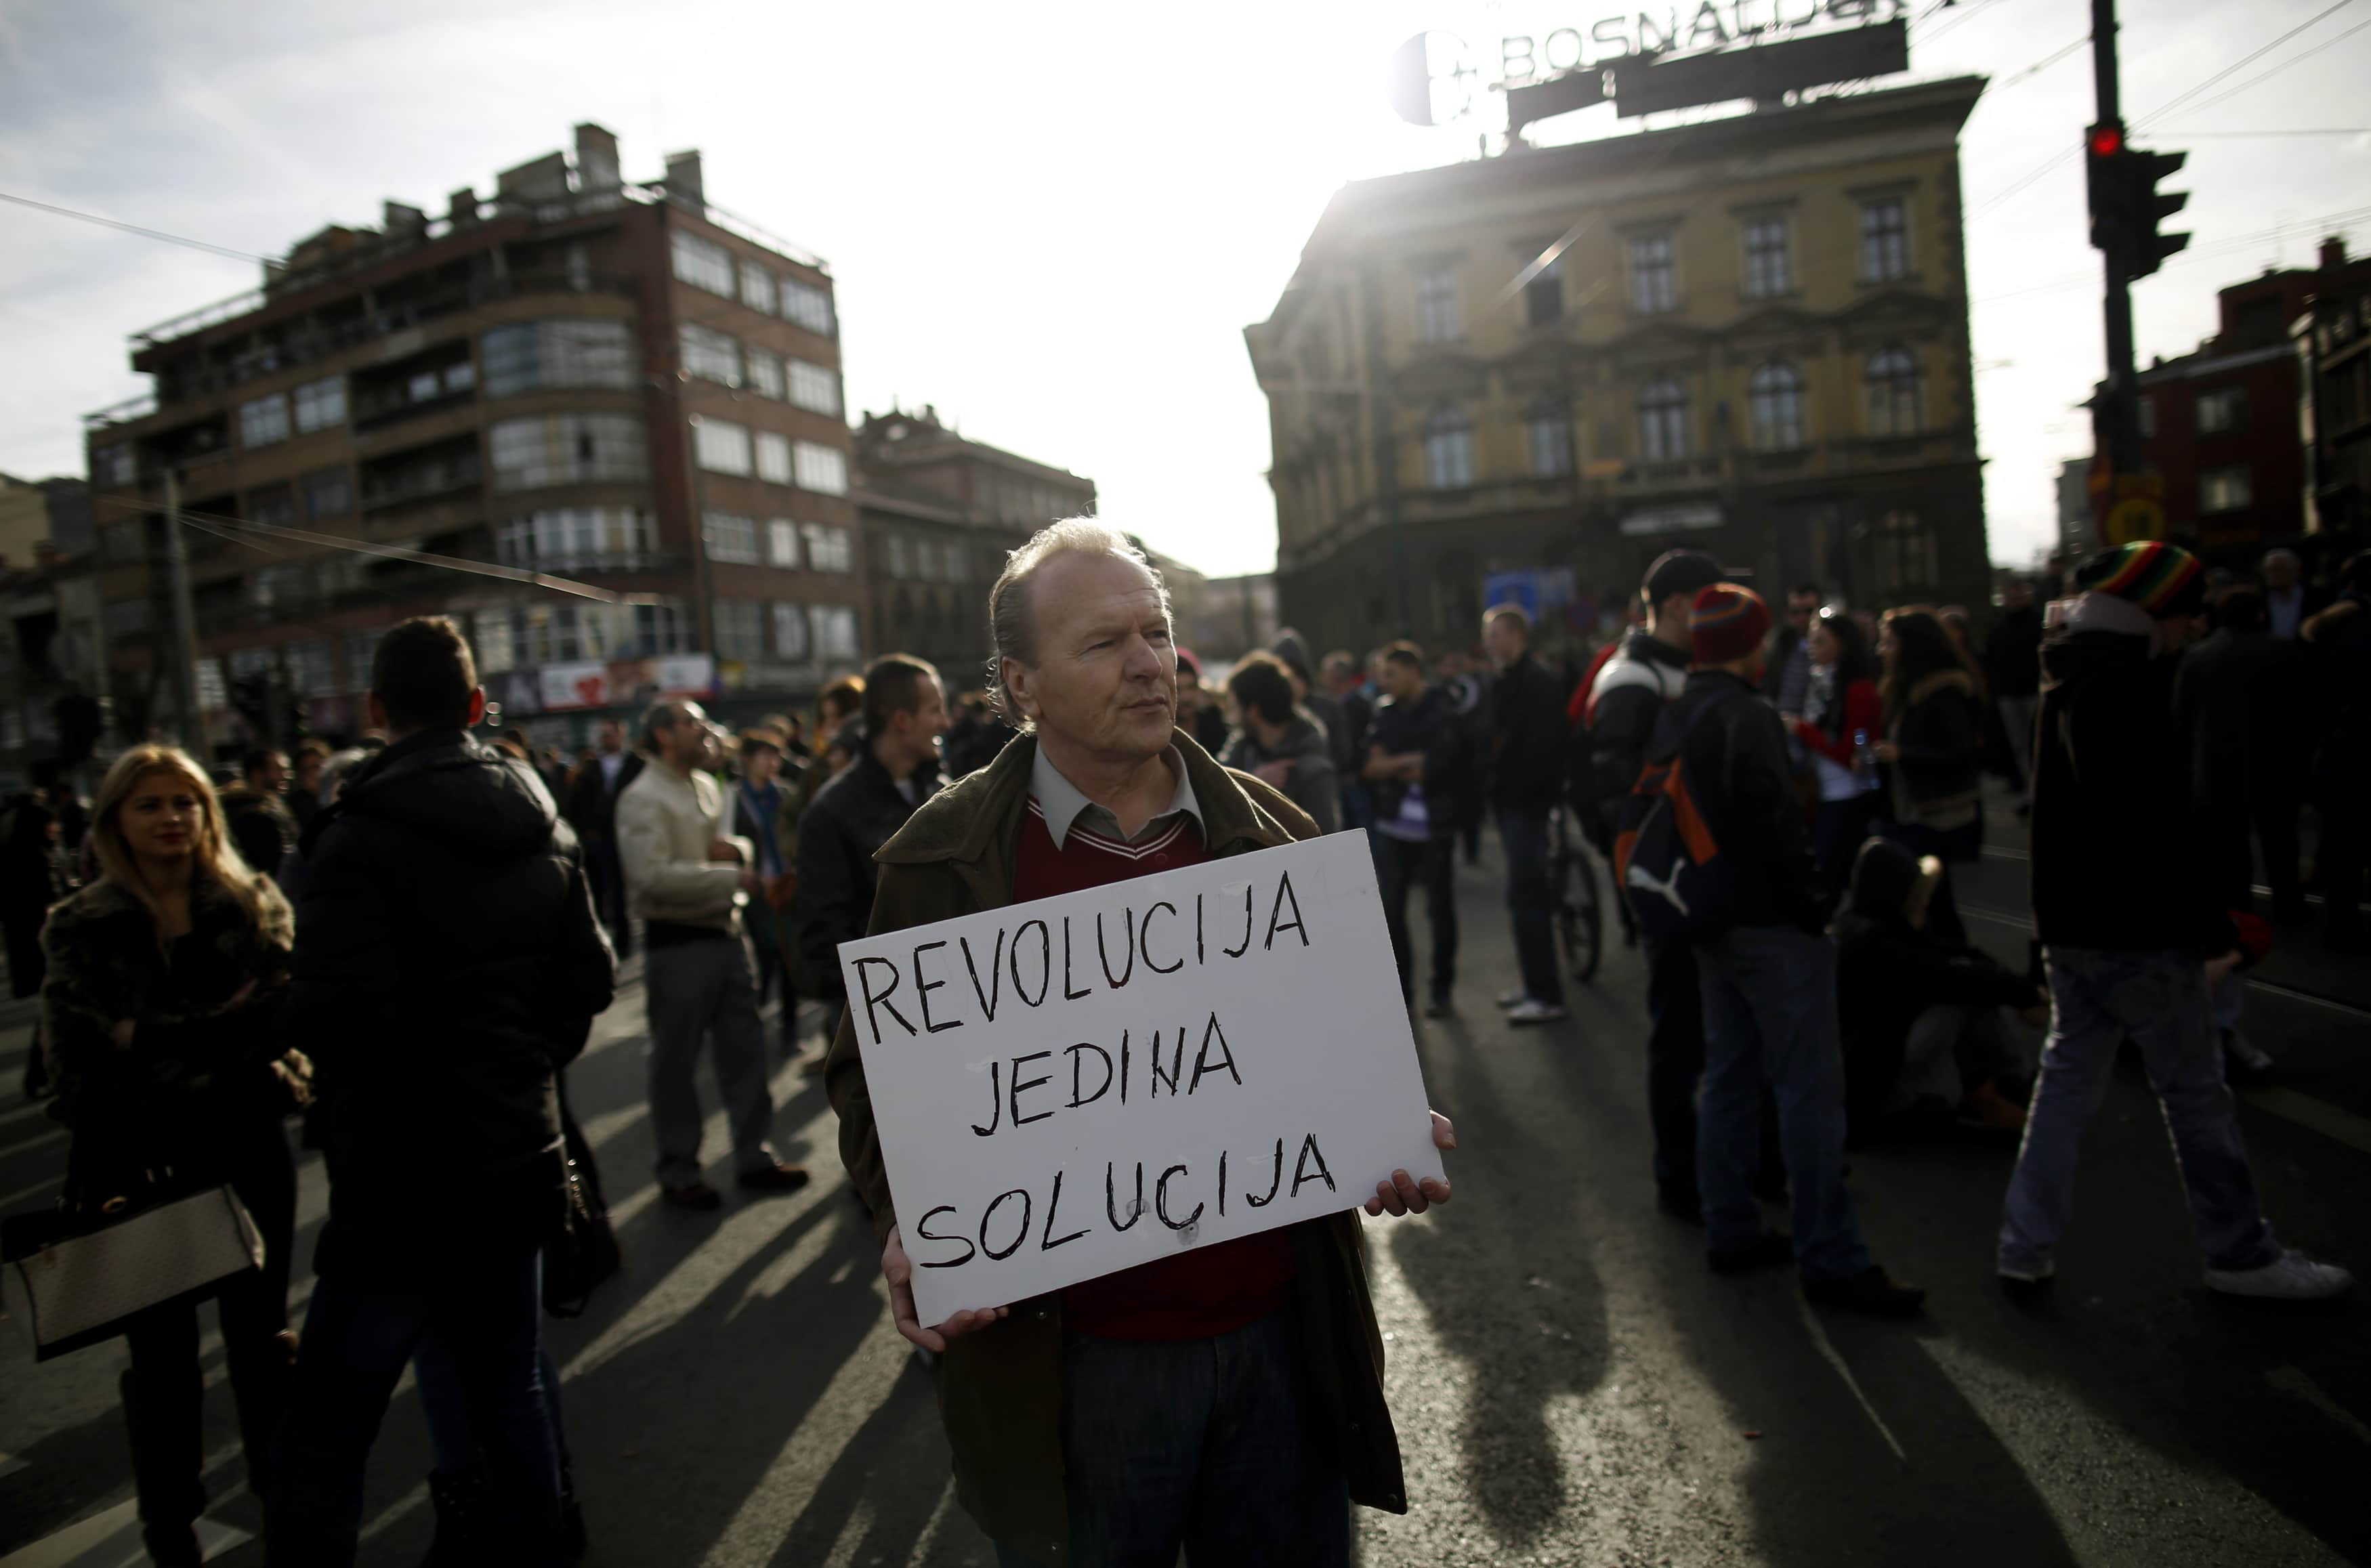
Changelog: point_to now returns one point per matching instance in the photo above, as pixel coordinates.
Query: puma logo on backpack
(1665, 858)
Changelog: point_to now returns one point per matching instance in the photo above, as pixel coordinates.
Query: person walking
(689, 886)
(1933, 751)
(592, 811)
(1281, 742)
(1528, 737)
(1842, 714)
(1421, 767)
(448, 963)
(166, 980)
(2132, 929)
(257, 819)
(896, 769)
(1768, 978)
(757, 818)
(1226, 1399)
(2013, 670)
(1626, 702)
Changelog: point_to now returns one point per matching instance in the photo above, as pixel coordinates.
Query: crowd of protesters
(405, 943)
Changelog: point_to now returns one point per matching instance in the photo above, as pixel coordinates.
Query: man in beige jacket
(689, 884)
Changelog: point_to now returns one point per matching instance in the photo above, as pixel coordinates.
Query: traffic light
(2126, 206)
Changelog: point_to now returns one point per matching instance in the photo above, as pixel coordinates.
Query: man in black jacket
(896, 770)
(256, 817)
(1630, 694)
(1527, 746)
(592, 809)
(2133, 927)
(1420, 766)
(1769, 979)
(2013, 670)
(447, 964)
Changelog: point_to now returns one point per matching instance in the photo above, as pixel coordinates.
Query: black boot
(462, 1537)
(572, 1513)
(170, 1499)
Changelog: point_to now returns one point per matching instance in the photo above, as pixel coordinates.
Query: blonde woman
(164, 976)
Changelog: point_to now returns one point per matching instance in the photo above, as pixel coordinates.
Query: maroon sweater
(1193, 1295)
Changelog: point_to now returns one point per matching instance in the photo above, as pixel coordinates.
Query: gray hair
(1009, 619)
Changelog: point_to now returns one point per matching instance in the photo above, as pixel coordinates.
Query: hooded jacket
(1629, 694)
(1888, 971)
(447, 964)
(2116, 864)
(1314, 786)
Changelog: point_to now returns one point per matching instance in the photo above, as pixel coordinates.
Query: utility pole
(2119, 420)
(185, 626)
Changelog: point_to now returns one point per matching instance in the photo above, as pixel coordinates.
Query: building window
(2221, 411)
(361, 647)
(731, 537)
(1654, 275)
(756, 288)
(263, 422)
(790, 632)
(321, 404)
(829, 548)
(1438, 319)
(832, 631)
(894, 559)
(661, 627)
(567, 449)
(720, 447)
(809, 307)
(1894, 400)
(311, 672)
(2226, 490)
(823, 469)
(1775, 391)
(274, 505)
(535, 356)
(702, 263)
(1544, 296)
(814, 389)
(569, 538)
(1884, 240)
(782, 543)
(765, 373)
(773, 458)
(712, 355)
(740, 629)
(1549, 428)
(1663, 420)
(1447, 449)
(1769, 269)
(1906, 556)
(113, 465)
(328, 492)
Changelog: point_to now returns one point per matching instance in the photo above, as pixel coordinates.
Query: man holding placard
(1123, 1165)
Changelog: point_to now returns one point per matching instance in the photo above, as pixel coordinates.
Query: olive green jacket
(1000, 1388)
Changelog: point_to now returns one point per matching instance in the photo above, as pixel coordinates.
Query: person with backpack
(1714, 854)
(1627, 697)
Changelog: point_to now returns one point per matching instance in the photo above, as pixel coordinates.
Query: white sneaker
(1514, 999)
(2292, 1276)
(1530, 1011)
(2030, 1274)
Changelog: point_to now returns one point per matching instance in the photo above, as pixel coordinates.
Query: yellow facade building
(1748, 335)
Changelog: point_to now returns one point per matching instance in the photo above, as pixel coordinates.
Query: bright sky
(1054, 221)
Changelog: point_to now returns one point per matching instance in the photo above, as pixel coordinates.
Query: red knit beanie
(1726, 623)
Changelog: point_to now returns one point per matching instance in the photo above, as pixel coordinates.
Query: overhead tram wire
(2294, 59)
(182, 240)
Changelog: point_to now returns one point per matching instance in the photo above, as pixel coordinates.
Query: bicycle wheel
(1582, 917)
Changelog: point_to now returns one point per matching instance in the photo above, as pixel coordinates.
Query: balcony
(422, 481)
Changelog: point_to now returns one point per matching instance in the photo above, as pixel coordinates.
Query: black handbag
(583, 1251)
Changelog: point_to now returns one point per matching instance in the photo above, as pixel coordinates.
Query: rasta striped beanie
(2165, 580)
(1726, 624)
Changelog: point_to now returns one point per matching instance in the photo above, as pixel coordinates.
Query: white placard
(1082, 1084)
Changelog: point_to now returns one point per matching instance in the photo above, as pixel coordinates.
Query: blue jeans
(1532, 901)
(1675, 1058)
(1770, 1012)
(2160, 1000)
(1213, 1445)
(356, 1343)
(446, 1403)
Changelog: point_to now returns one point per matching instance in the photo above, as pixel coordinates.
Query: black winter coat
(1631, 693)
(448, 965)
(259, 826)
(2013, 653)
(1431, 725)
(1737, 771)
(1528, 736)
(1937, 777)
(2242, 698)
(850, 819)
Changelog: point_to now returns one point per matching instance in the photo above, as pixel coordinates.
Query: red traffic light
(2107, 141)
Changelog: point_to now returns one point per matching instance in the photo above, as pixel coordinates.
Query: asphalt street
(1569, 1383)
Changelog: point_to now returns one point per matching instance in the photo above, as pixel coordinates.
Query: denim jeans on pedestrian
(1531, 900)
(446, 1403)
(1402, 864)
(2158, 1000)
(1770, 1012)
(1675, 1058)
(1216, 1445)
(704, 989)
(356, 1341)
